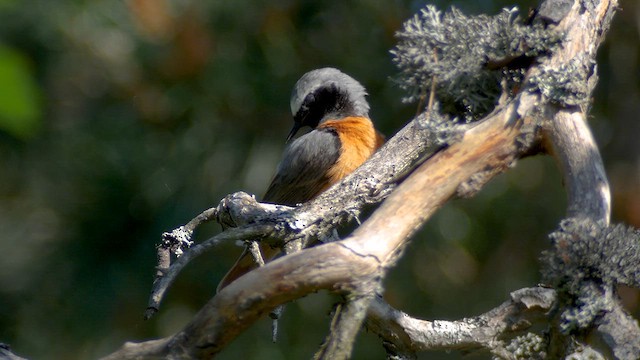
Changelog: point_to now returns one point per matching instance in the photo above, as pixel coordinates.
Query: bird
(342, 137)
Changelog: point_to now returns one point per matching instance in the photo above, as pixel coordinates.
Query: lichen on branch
(471, 59)
(587, 259)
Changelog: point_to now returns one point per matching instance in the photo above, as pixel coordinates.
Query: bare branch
(7, 354)
(619, 331)
(161, 284)
(406, 335)
(568, 79)
(371, 183)
(579, 160)
(345, 326)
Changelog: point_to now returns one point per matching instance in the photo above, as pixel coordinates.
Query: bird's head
(326, 94)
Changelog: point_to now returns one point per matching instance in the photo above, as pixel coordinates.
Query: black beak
(294, 130)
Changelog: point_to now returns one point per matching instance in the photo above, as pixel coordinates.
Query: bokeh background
(123, 119)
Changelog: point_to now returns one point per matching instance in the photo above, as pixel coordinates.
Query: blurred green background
(123, 119)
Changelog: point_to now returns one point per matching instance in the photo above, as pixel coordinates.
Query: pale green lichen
(470, 58)
(588, 260)
(530, 347)
(567, 84)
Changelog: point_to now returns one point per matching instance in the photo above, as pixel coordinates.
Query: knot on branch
(554, 11)
(587, 261)
(471, 59)
(240, 208)
(534, 298)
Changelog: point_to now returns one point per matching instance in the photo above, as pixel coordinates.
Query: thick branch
(345, 325)
(579, 160)
(570, 140)
(406, 335)
(568, 134)
(488, 148)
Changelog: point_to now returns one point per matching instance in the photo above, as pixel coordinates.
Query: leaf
(20, 96)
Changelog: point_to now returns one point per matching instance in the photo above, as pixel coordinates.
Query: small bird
(333, 105)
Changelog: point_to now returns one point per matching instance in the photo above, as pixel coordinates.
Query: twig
(275, 314)
(254, 250)
(178, 240)
(161, 284)
(434, 80)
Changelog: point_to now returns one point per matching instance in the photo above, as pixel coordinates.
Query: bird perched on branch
(333, 105)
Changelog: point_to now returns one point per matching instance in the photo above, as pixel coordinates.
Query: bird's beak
(294, 130)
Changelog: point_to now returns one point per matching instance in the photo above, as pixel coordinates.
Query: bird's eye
(309, 99)
(302, 113)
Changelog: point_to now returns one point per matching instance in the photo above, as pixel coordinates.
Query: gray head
(326, 94)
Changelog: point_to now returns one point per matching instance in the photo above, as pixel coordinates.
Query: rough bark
(405, 335)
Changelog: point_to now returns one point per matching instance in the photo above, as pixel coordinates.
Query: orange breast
(358, 139)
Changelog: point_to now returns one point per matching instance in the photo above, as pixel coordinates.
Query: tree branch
(405, 335)
(579, 160)
(547, 100)
(488, 148)
(345, 326)
(295, 227)
(161, 283)
(567, 80)
(571, 73)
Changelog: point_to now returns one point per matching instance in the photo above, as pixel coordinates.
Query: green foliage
(4, 4)
(468, 57)
(20, 103)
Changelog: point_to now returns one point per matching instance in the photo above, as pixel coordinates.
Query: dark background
(123, 119)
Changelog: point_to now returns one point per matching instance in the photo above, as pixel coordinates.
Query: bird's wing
(302, 173)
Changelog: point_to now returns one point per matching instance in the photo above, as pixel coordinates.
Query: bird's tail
(246, 263)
